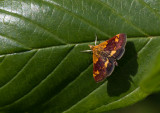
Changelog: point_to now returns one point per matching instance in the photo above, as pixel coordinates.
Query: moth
(105, 55)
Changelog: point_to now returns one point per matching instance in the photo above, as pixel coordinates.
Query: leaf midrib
(70, 44)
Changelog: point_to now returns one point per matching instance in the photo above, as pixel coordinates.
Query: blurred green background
(149, 105)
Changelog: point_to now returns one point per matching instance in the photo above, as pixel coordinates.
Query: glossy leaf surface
(42, 68)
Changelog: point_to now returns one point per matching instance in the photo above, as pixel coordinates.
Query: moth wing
(102, 68)
(118, 54)
(115, 47)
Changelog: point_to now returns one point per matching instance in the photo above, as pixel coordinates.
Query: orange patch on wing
(96, 50)
(106, 63)
(118, 35)
(112, 53)
(95, 58)
(116, 39)
(103, 44)
(96, 73)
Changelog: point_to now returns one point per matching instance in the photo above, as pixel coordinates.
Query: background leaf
(43, 70)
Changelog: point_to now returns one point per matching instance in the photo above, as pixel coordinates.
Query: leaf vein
(34, 88)
(34, 23)
(120, 16)
(2, 59)
(150, 8)
(15, 41)
(33, 49)
(19, 71)
(145, 45)
(119, 99)
(82, 19)
(66, 86)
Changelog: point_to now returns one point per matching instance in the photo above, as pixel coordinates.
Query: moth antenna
(95, 39)
(86, 51)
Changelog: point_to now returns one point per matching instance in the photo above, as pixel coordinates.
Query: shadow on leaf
(119, 81)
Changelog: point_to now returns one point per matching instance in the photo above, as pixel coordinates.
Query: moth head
(91, 46)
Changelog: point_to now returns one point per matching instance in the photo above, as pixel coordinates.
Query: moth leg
(113, 60)
(115, 63)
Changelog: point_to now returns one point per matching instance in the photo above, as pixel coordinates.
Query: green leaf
(42, 68)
